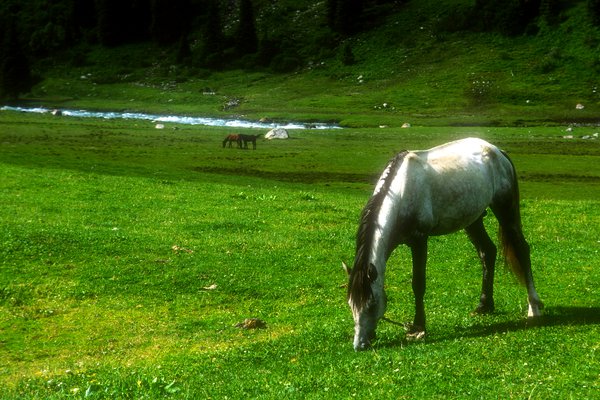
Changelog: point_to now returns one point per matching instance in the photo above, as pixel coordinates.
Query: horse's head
(367, 301)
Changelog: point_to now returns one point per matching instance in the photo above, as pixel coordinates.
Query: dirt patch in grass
(296, 177)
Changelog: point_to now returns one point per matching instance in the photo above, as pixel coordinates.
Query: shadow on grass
(295, 177)
(552, 317)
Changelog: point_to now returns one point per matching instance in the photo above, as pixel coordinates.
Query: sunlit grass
(129, 256)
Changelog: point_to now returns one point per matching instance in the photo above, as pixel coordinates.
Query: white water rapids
(234, 123)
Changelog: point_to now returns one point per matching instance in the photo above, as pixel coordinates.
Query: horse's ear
(372, 272)
(346, 268)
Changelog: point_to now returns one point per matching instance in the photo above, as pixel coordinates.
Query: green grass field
(128, 255)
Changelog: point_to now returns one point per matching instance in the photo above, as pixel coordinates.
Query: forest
(280, 36)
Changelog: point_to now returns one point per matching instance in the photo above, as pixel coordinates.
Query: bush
(285, 63)
(347, 55)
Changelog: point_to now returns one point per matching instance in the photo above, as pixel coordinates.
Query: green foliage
(406, 59)
(347, 55)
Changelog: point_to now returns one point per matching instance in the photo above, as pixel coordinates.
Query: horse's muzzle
(362, 344)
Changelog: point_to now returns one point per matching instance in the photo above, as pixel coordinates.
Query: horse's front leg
(487, 254)
(419, 260)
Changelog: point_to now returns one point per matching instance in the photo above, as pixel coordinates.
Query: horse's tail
(225, 141)
(514, 246)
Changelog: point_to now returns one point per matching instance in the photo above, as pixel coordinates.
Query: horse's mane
(359, 287)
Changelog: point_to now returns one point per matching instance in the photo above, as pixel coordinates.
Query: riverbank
(174, 119)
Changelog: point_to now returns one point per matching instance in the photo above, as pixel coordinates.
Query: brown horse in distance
(234, 137)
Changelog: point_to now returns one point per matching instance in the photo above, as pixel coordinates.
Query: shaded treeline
(279, 35)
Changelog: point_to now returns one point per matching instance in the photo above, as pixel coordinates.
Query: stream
(177, 119)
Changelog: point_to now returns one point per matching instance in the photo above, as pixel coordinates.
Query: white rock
(277, 133)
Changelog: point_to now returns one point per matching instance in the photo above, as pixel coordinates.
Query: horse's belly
(457, 209)
(452, 223)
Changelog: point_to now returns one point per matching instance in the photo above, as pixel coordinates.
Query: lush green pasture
(128, 255)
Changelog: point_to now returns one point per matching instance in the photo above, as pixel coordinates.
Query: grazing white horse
(435, 192)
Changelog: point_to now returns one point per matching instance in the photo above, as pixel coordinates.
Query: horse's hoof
(534, 311)
(415, 333)
(483, 309)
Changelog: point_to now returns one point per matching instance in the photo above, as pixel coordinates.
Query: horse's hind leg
(517, 253)
(487, 254)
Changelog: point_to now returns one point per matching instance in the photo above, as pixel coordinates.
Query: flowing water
(234, 123)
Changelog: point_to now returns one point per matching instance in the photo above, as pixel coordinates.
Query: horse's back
(464, 153)
(448, 187)
(473, 160)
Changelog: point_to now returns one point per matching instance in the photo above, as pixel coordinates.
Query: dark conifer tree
(267, 50)
(331, 9)
(550, 10)
(594, 9)
(84, 13)
(15, 71)
(348, 55)
(140, 17)
(344, 16)
(170, 20)
(109, 22)
(213, 37)
(246, 39)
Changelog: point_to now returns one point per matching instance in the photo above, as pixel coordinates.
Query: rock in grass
(277, 133)
(251, 323)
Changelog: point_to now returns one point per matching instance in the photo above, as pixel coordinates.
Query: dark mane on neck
(359, 287)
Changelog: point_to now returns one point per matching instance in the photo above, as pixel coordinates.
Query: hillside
(413, 63)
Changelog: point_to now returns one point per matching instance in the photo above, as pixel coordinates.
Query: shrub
(285, 63)
(347, 55)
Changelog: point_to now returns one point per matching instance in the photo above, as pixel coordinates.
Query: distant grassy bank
(413, 67)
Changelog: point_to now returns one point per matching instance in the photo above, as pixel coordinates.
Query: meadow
(129, 255)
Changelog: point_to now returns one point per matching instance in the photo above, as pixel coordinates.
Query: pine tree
(594, 9)
(331, 9)
(170, 20)
(109, 24)
(15, 72)
(348, 55)
(344, 16)
(246, 39)
(213, 37)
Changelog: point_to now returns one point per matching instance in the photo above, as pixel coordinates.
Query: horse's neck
(384, 239)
